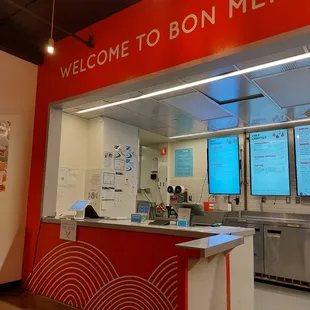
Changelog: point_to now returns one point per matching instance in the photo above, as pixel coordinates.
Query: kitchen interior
(281, 223)
(274, 98)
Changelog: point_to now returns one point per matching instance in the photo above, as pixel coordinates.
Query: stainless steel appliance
(281, 245)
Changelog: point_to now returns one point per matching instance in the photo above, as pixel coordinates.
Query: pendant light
(51, 42)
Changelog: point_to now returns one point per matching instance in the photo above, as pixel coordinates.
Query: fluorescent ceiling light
(202, 82)
(239, 129)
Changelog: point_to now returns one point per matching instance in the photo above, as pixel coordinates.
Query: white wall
(148, 155)
(158, 188)
(74, 152)
(95, 142)
(117, 133)
(72, 161)
(195, 183)
(81, 160)
(18, 80)
(74, 142)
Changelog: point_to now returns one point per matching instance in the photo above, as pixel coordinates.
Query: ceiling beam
(88, 43)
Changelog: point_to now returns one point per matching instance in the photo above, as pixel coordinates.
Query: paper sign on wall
(127, 154)
(118, 198)
(4, 149)
(119, 164)
(183, 163)
(119, 180)
(67, 177)
(108, 193)
(92, 194)
(68, 230)
(108, 178)
(71, 178)
(108, 160)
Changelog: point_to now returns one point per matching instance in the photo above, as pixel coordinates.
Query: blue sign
(136, 218)
(183, 163)
(302, 154)
(223, 166)
(269, 155)
(183, 223)
(144, 208)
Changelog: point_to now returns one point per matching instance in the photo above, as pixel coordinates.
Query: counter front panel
(107, 269)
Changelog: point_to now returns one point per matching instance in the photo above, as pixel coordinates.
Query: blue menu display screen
(269, 163)
(223, 166)
(302, 159)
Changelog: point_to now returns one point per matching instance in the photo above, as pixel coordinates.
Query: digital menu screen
(269, 163)
(302, 159)
(223, 166)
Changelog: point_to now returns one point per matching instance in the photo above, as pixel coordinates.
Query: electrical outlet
(263, 199)
(297, 200)
(288, 200)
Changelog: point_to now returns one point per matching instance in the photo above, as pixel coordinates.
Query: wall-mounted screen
(302, 159)
(269, 163)
(223, 166)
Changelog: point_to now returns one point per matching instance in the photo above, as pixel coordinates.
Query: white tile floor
(271, 297)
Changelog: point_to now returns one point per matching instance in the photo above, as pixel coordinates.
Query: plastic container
(208, 206)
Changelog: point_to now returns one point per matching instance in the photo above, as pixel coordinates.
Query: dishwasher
(258, 242)
(281, 245)
(287, 253)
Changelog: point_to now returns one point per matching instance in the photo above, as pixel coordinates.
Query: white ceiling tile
(270, 58)
(298, 112)
(122, 97)
(277, 69)
(208, 74)
(150, 108)
(197, 105)
(185, 127)
(134, 119)
(190, 127)
(173, 119)
(229, 122)
(70, 110)
(259, 111)
(230, 89)
(288, 89)
(96, 104)
(166, 86)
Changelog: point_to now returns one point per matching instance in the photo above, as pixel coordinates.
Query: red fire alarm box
(163, 151)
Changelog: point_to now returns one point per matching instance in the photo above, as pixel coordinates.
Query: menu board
(223, 166)
(269, 161)
(302, 159)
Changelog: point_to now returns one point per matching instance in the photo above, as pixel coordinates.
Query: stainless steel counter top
(172, 229)
(279, 219)
(213, 245)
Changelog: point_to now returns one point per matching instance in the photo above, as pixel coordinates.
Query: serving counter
(121, 265)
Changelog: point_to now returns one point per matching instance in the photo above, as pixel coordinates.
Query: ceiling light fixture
(51, 42)
(202, 82)
(242, 129)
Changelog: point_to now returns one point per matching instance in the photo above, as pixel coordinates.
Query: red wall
(267, 18)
